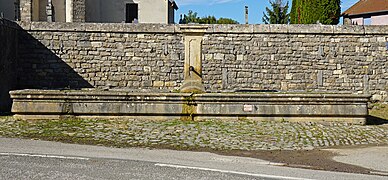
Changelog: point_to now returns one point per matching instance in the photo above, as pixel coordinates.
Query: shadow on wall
(41, 68)
(8, 62)
(25, 63)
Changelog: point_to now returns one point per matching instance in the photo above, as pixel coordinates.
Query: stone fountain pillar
(193, 35)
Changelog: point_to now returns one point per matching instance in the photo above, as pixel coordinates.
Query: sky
(233, 8)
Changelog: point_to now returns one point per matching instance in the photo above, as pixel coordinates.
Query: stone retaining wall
(263, 57)
(8, 62)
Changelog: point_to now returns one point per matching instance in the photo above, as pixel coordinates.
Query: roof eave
(174, 5)
(365, 13)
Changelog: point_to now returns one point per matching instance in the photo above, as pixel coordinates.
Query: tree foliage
(278, 14)
(192, 17)
(208, 20)
(226, 21)
(313, 11)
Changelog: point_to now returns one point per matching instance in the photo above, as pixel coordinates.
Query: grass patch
(5, 117)
(380, 111)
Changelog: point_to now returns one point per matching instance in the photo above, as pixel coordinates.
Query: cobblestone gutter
(207, 134)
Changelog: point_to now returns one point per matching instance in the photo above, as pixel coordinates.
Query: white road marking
(230, 172)
(222, 159)
(43, 156)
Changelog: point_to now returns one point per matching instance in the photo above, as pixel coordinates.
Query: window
(367, 21)
(131, 12)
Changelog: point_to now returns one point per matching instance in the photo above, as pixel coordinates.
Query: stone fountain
(191, 103)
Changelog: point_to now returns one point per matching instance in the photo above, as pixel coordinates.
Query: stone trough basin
(56, 104)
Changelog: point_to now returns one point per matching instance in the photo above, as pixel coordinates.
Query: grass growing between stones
(195, 135)
(215, 135)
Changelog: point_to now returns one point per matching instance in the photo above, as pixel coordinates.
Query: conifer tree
(330, 11)
(278, 14)
(313, 11)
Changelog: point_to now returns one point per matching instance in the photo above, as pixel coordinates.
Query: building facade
(143, 11)
(367, 12)
(98, 11)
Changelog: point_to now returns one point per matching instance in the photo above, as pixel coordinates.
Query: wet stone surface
(210, 134)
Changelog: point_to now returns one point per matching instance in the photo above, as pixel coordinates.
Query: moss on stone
(189, 109)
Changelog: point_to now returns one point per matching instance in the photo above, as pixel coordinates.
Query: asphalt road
(25, 167)
(26, 159)
(375, 158)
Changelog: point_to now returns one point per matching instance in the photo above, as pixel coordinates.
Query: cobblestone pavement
(210, 134)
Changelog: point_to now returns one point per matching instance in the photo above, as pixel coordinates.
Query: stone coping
(237, 96)
(212, 29)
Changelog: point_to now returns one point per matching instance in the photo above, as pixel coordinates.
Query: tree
(331, 11)
(208, 20)
(226, 21)
(278, 14)
(192, 17)
(313, 11)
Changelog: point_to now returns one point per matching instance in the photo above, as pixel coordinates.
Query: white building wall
(358, 21)
(153, 11)
(7, 7)
(93, 13)
(69, 10)
(60, 10)
(380, 20)
(113, 11)
(106, 11)
(42, 9)
(374, 20)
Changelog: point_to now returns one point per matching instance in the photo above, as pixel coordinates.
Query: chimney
(246, 14)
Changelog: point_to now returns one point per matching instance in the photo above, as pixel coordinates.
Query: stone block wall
(26, 10)
(298, 58)
(263, 57)
(114, 56)
(8, 62)
(79, 11)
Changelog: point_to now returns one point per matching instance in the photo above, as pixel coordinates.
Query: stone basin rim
(178, 94)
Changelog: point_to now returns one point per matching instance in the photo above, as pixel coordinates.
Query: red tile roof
(367, 6)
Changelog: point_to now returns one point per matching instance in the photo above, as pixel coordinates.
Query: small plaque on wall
(248, 108)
